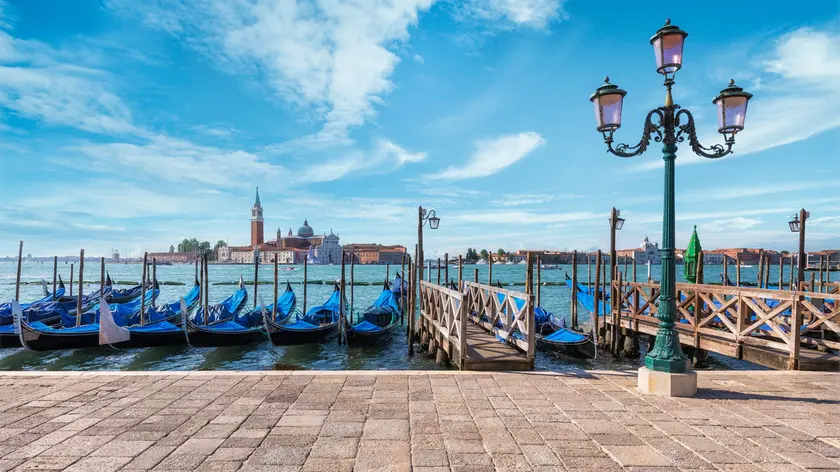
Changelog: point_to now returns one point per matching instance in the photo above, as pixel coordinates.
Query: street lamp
(797, 225)
(434, 223)
(673, 125)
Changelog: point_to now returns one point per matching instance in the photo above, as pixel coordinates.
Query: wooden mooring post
(725, 280)
(305, 277)
(737, 269)
(154, 282)
(446, 268)
(475, 275)
(341, 304)
(55, 275)
(573, 311)
(81, 288)
(438, 271)
(353, 284)
(790, 276)
(17, 277)
(143, 291)
(71, 279)
(596, 297)
(274, 301)
(460, 274)
(206, 289)
(256, 275)
(490, 269)
(539, 279)
(101, 278)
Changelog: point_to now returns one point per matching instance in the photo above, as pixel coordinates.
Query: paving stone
(150, 457)
(280, 455)
(342, 429)
(377, 455)
(385, 430)
(429, 458)
(98, 464)
(317, 464)
(637, 456)
(335, 448)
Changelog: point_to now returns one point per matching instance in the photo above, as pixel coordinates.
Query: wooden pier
(781, 329)
(462, 326)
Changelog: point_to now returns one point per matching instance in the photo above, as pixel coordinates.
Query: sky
(131, 125)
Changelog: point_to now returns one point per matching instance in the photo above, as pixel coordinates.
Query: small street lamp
(434, 223)
(673, 125)
(797, 225)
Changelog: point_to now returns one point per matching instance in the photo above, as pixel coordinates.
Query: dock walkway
(419, 421)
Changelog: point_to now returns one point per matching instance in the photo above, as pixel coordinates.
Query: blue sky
(132, 125)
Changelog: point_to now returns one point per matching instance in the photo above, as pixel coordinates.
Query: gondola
(224, 325)
(400, 286)
(319, 323)
(6, 308)
(553, 334)
(123, 295)
(39, 336)
(376, 322)
(161, 325)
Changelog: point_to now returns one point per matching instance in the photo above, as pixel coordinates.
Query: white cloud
(800, 96)
(385, 156)
(494, 155)
(729, 225)
(330, 56)
(531, 13)
(532, 198)
(502, 217)
(175, 160)
(419, 59)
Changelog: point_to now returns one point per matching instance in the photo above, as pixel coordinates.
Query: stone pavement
(421, 421)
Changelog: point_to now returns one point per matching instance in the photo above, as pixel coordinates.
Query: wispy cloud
(502, 217)
(522, 199)
(536, 14)
(493, 155)
(333, 59)
(385, 156)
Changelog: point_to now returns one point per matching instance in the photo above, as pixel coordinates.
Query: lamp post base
(665, 384)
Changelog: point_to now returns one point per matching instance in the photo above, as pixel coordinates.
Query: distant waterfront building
(178, 257)
(376, 253)
(646, 252)
(290, 249)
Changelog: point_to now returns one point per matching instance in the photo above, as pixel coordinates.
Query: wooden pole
(101, 277)
(813, 283)
(446, 268)
(196, 269)
(81, 288)
(256, 275)
(699, 277)
(760, 272)
(766, 270)
(625, 267)
(781, 271)
(790, 275)
(17, 277)
(539, 279)
(154, 281)
(738, 269)
(305, 281)
(604, 279)
(403, 281)
(352, 284)
(438, 271)
(206, 289)
(725, 270)
(649, 277)
(430, 270)
(387, 272)
(341, 310)
(71, 279)
(634, 266)
(143, 291)
(573, 310)
(490, 269)
(274, 302)
(418, 253)
(821, 274)
(460, 274)
(588, 273)
(616, 346)
(55, 275)
(596, 297)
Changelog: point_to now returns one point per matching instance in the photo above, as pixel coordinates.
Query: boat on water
(224, 324)
(376, 322)
(553, 334)
(73, 332)
(6, 308)
(317, 324)
(161, 325)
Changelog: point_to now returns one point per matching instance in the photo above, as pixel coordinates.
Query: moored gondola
(317, 324)
(376, 322)
(161, 325)
(223, 325)
(553, 334)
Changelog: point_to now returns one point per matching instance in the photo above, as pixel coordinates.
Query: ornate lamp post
(673, 125)
(797, 225)
(434, 223)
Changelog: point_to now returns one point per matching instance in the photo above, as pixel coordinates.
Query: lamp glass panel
(734, 111)
(611, 109)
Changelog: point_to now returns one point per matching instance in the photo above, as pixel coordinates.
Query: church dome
(305, 231)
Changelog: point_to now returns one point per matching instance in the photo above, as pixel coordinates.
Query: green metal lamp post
(673, 126)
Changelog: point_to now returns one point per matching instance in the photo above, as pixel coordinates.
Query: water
(393, 355)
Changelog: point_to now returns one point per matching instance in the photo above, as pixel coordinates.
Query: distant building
(289, 249)
(646, 252)
(376, 253)
(178, 257)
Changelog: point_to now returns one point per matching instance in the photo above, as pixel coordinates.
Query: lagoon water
(393, 354)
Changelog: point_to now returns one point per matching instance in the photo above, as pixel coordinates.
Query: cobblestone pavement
(421, 421)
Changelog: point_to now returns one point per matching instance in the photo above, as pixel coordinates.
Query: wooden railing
(507, 314)
(446, 310)
(732, 317)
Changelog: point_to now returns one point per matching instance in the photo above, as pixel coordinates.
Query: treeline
(199, 247)
(474, 255)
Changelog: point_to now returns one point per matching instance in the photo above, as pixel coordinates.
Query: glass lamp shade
(619, 223)
(434, 222)
(731, 108)
(794, 224)
(668, 47)
(607, 101)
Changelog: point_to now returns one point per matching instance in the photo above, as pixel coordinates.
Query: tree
(501, 253)
(471, 256)
(786, 252)
(484, 254)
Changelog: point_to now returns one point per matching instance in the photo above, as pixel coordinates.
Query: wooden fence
(445, 310)
(505, 313)
(724, 319)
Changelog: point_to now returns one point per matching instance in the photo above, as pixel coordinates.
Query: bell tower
(257, 222)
